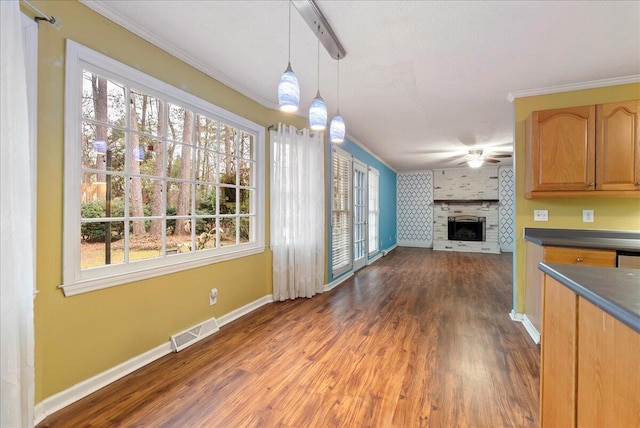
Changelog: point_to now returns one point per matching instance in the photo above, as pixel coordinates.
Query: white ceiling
(422, 81)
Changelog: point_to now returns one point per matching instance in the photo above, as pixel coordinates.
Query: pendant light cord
(289, 32)
(338, 85)
(318, 65)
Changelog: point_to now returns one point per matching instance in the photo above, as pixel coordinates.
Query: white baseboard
(373, 259)
(244, 310)
(335, 283)
(414, 244)
(80, 390)
(528, 326)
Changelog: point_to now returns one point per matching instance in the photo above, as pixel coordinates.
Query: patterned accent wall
(506, 210)
(415, 209)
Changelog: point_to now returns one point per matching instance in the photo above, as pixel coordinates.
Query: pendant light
(318, 109)
(288, 88)
(337, 128)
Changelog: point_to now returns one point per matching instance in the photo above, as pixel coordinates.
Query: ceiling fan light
(318, 114)
(475, 163)
(337, 129)
(289, 91)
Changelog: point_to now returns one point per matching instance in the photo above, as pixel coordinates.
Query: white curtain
(16, 257)
(297, 212)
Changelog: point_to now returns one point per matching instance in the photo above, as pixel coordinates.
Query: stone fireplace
(465, 210)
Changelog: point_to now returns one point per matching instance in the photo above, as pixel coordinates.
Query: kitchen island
(590, 367)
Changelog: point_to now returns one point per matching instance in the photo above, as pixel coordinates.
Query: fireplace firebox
(466, 228)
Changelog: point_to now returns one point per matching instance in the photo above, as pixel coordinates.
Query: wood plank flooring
(418, 339)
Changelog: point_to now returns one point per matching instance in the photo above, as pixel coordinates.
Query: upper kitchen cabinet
(583, 151)
(618, 146)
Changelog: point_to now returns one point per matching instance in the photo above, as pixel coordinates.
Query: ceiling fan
(476, 157)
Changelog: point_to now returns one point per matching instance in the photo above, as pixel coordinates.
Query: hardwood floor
(418, 339)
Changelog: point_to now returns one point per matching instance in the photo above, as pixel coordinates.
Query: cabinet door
(562, 149)
(583, 256)
(559, 353)
(608, 370)
(618, 146)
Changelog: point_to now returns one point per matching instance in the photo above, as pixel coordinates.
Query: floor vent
(192, 335)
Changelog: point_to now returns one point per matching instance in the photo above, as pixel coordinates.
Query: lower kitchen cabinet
(608, 370)
(590, 368)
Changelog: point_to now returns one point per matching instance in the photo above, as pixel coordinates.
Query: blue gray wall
(388, 214)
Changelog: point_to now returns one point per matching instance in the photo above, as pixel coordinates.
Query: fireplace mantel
(466, 201)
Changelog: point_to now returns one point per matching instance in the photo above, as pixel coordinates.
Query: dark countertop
(583, 238)
(615, 291)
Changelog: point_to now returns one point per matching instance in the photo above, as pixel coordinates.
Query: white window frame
(373, 183)
(349, 213)
(76, 280)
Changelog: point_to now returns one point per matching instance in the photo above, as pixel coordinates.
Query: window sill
(94, 284)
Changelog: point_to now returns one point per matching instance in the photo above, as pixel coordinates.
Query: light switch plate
(587, 216)
(540, 215)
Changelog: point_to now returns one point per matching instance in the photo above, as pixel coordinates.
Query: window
(156, 179)
(341, 212)
(374, 214)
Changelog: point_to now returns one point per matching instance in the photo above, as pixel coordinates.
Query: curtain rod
(44, 17)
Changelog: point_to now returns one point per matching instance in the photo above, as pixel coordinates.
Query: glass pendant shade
(100, 146)
(289, 91)
(138, 153)
(475, 163)
(318, 114)
(337, 129)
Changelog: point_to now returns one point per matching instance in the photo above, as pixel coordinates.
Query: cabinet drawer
(586, 256)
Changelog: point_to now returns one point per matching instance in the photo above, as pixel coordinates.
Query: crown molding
(366, 149)
(103, 9)
(573, 87)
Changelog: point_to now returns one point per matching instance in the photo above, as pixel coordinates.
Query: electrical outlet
(540, 215)
(213, 296)
(587, 216)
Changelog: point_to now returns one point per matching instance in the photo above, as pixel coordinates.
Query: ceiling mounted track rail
(313, 16)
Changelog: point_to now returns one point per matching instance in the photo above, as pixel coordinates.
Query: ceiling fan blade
(462, 163)
(491, 160)
(501, 156)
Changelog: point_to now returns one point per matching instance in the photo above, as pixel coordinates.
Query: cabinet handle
(638, 183)
(591, 184)
(579, 259)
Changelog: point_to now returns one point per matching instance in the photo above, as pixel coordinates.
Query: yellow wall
(81, 336)
(610, 213)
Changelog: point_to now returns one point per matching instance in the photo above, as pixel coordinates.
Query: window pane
(246, 228)
(146, 246)
(246, 146)
(96, 141)
(103, 99)
(246, 201)
(94, 196)
(206, 233)
(150, 195)
(147, 109)
(206, 166)
(179, 198)
(227, 231)
(227, 200)
(151, 163)
(228, 138)
(227, 167)
(175, 124)
(179, 161)
(96, 249)
(206, 195)
(246, 173)
(207, 132)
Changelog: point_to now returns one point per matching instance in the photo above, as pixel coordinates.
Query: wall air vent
(192, 335)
